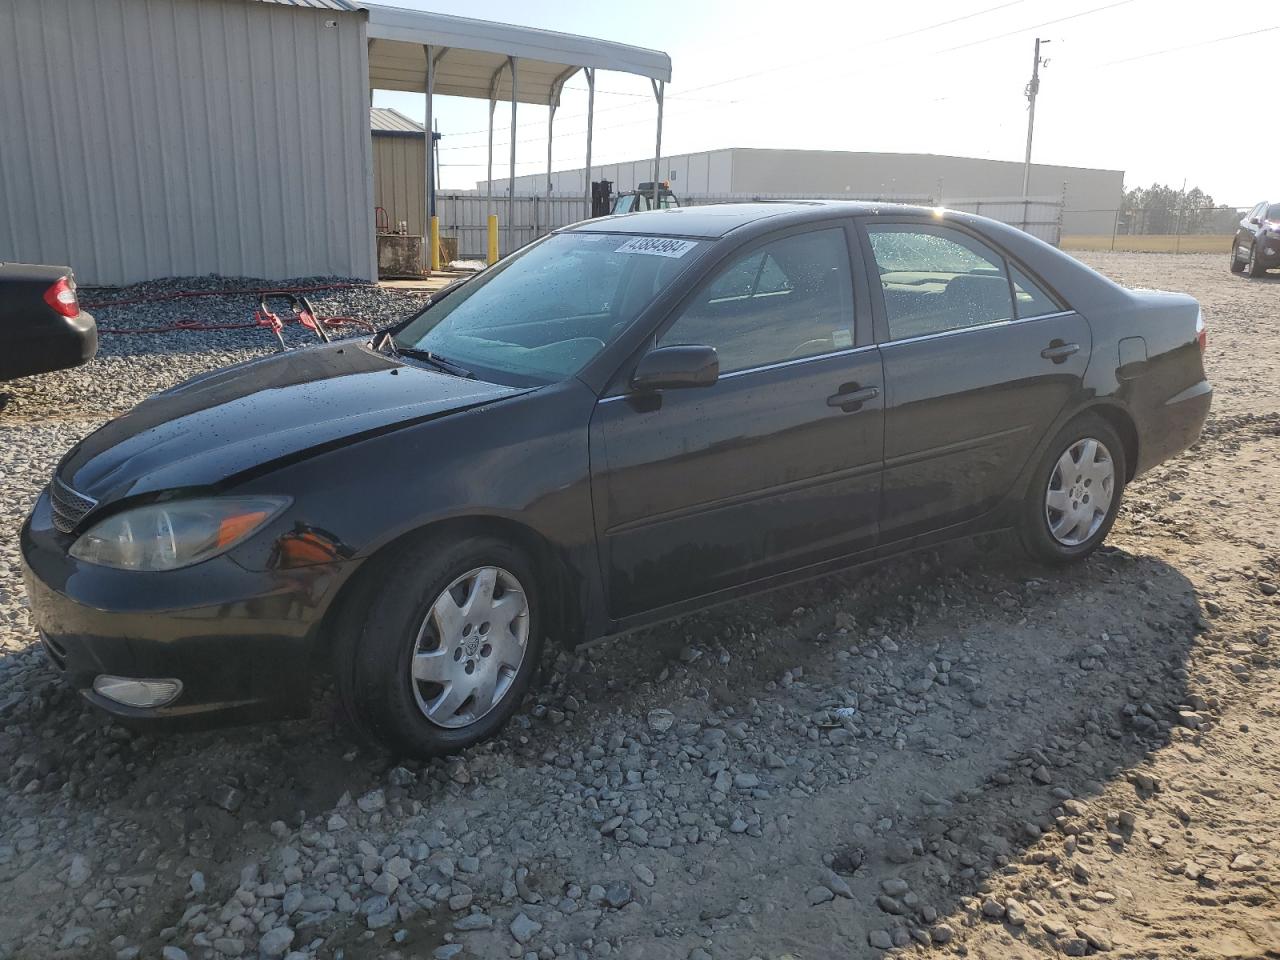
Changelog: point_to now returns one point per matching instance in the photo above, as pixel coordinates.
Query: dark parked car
(1256, 247)
(42, 327)
(629, 419)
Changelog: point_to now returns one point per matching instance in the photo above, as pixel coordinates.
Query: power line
(859, 46)
(1036, 26)
(909, 33)
(786, 66)
(1190, 46)
(924, 29)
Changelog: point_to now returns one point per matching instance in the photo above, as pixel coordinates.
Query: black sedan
(1255, 249)
(629, 419)
(42, 327)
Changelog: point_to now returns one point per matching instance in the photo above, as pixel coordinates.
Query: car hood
(248, 418)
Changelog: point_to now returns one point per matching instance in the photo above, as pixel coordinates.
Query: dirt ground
(957, 754)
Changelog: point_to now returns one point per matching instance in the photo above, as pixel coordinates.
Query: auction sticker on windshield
(658, 246)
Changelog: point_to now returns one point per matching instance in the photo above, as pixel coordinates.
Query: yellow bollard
(435, 244)
(493, 238)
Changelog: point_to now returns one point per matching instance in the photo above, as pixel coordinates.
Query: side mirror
(665, 368)
(1255, 220)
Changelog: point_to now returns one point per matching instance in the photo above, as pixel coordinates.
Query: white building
(1090, 196)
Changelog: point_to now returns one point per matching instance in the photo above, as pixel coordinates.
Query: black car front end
(216, 639)
(1267, 245)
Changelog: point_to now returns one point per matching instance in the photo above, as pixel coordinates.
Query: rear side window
(788, 299)
(1030, 299)
(936, 279)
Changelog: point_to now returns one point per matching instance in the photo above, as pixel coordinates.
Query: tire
(1236, 265)
(1253, 268)
(1054, 500)
(399, 618)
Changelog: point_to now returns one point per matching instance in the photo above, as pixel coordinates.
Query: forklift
(603, 202)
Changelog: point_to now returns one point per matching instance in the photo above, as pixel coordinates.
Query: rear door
(979, 359)
(774, 467)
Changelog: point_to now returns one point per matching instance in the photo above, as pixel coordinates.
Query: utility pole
(1032, 89)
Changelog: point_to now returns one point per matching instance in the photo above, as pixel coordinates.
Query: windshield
(543, 314)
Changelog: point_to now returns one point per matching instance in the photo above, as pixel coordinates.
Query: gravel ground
(951, 754)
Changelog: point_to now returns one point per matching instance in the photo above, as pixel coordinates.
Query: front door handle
(1057, 351)
(851, 397)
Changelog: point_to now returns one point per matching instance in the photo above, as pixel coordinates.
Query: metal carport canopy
(477, 49)
(457, 56)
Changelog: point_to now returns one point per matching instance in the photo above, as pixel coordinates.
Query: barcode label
(658, 246)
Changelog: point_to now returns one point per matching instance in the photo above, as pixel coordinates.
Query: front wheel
(446, 648)
(1253, 267)
(1074, 495)
(1237, 265)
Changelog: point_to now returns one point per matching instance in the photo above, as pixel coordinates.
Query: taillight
(62, 297)
(1202, 332)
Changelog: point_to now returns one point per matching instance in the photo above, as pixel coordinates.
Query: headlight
(166, 536)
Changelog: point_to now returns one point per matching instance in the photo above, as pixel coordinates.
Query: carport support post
(493, 104)
(658, 87)
(551, 124)
(434, 254)
(591, 109)
(511, 177)
(488, 193)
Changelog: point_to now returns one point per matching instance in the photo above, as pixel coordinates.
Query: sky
(1161, 89)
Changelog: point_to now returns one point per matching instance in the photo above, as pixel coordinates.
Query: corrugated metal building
(399, 170)
(151, 138)
(1090, 195)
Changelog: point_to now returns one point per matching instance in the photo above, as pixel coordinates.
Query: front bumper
(1268, 246)
(240, 641)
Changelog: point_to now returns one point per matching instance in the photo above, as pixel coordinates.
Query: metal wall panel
(1039, 216)
(466, 216)
(153, 138)
(399, 179)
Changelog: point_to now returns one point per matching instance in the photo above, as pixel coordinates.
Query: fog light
(137, 693)
(1271, 251)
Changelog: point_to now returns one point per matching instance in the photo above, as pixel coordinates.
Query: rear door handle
(1059, 351)
(851, 397)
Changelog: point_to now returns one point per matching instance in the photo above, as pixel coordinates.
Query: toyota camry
(631, 418)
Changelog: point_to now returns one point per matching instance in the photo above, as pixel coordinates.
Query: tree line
(1163, 209)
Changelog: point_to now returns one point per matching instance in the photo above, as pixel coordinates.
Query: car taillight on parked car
(1202, 332)
(62, 297)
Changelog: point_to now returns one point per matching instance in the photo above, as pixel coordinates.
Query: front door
(776, 466)
(979, 359)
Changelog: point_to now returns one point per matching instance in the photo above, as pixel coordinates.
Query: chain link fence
(1165, 228)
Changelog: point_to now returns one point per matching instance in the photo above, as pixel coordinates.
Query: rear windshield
(544, 313)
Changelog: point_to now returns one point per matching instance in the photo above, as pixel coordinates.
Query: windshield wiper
(441, 363)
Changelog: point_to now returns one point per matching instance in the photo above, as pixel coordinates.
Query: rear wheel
(446, 649)
(1074, 495)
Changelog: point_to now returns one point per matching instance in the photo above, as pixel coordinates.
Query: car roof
(715, 220)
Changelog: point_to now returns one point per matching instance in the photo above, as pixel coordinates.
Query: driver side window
(785, 300)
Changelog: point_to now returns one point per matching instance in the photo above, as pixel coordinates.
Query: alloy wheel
(470, 647)
(1081, 488)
